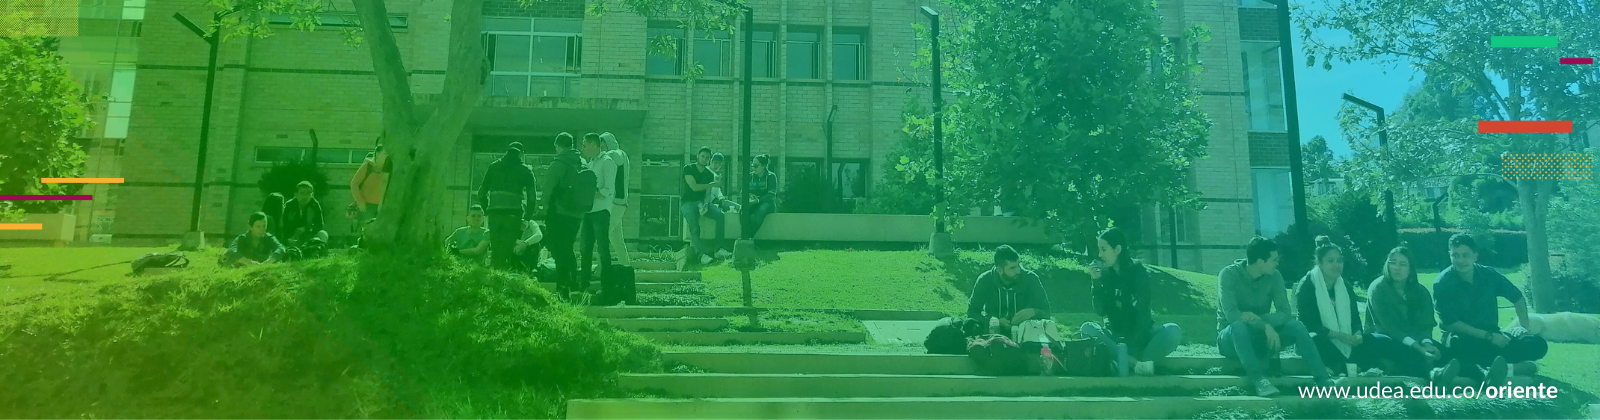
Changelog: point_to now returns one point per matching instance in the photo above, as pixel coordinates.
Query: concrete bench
(822, 227)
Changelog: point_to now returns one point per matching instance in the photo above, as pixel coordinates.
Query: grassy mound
(346, 336)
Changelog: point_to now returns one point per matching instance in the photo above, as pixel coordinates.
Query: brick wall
(1258, 24)
(564, 9)
(1269, 149)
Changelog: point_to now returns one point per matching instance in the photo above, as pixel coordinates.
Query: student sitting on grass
(1464, 295)
(1253, 317)
(470, 241)
(1122, 298)
(1008, 295)
(1327, 307)
(528, 247)
(1400, 307)
(255, 247)
(302, 217)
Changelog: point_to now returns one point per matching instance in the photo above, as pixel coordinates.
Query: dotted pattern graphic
(1547, 166)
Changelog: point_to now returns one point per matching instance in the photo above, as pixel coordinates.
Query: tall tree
(1071, 110)
(411, 215)
(41, 111)
(1449, 40)
(1318, 158)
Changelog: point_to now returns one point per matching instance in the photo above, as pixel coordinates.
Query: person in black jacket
(507, 194)
(1008, 294)
(563, 217)
(1122, 298)
(1326, 304)
(302, 217)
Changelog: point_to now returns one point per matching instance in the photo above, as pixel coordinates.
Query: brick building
(555, 69)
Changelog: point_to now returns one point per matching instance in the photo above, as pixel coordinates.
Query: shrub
(345, 336)
(1429, 249)
(810, 192)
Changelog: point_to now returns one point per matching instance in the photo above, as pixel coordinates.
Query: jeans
(1164, 339)
(1476, 354)
(596, 228)
(503, 231)
(1240, 341)
(691, 214)
(562, 232)
(619, 248)
(1374, 351)
(752, 220)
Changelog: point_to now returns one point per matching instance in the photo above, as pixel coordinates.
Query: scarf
(1334, 310)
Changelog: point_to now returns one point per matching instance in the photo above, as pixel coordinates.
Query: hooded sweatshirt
(565, 163)
(991, 297)
(506, 185)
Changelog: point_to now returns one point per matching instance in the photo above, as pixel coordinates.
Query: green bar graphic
(1522, 42)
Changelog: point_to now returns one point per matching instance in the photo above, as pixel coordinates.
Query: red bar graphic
(45, 197)
(1577, 61)
(1524, 126)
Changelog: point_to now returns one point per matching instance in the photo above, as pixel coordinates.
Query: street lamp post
(1383, 143)
(940, 244)
(195, 239)
(744, 250)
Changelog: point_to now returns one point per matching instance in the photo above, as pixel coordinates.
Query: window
(661, 180)
(533, 57)
(664, 63)
(1273, 200)
(764, 50)
(119, 102)
(849, 54)
(133, 9)
(1255, 3)
(801, 168)
(293, 154)
(849, 178)
(713, 50)
(803, 57)
(1182, 225)
(1263, 86)
(340, 19)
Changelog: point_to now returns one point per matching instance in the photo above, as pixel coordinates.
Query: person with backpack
(569, 198)
(697, 180)
(368, 184)
(1122, 298)
(255, 247)
(596, 226)
(619, 202)
(507, 185)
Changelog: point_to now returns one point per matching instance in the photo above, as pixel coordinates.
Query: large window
(803, 58)
(764, 48)
(664, 63)
(849, 53)
(533, 57)
(1273, 200)
(849, 178)
(1263, 86)
(713, 50)
(1255, 3)
(324, 155)
(661, 183)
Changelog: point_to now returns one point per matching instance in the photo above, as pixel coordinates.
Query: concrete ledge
(662, 311)
(897, 315)
(723, 385)
(669, 324)
(913, 364)
(653, 265)
(665, 276)
(912, 408)
(725, 338)
(639, 287)
(825, 227)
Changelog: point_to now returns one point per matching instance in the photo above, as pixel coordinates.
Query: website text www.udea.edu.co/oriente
(1431, 391)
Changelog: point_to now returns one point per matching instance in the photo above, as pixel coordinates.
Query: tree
(1449, 40)
(41, 111)
(905, 190)
(1070, 109)
(411, 215)
(1319, 162)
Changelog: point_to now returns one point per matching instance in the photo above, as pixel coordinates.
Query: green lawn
(68, 275)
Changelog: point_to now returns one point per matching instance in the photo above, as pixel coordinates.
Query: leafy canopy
(41, 111)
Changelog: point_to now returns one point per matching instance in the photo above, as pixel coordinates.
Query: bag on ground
(1082, 355)
(625, 290)
(950, 335)
(996, 355)
(173, 259)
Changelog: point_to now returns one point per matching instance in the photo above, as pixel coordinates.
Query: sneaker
(1523, 369)
(1145, 368)
(705, 259)
(1497, 370)
(1372, 373)
(1447, 374)
(1264, 388)
(724, 254)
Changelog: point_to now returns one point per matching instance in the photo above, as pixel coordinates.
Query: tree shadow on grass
(1175, 296)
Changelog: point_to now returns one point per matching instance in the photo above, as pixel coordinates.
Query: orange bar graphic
(82, 180)
(21, 226)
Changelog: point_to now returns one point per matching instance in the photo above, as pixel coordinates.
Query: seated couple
(1009, 295)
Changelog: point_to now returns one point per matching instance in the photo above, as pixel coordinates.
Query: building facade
(830, 80)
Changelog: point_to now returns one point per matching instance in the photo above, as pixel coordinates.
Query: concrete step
(897, 315)
(662, 311)
(640, 287)
(913, 408)
(722, 385)
(913, 364)
(727, 338)
(666, 276)
(669, 324)
(654, 265)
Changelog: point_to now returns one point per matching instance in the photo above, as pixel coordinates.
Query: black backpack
(581, 184)
(173, 259)
(950, 336)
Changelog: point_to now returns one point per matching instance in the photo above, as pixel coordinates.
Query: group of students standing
(1255, 320)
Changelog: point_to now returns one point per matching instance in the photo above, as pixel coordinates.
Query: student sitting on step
(1122, 298)
(1400, 307)
(1327, 307)
(1007, 295)
(1253, 317)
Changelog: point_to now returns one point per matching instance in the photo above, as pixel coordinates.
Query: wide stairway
(782, 375)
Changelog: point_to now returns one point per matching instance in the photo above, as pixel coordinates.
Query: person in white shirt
(619, 203)
(597, 223)
(528, 247)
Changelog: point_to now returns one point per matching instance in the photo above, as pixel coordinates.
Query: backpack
(581, 184)
(996, 355)
(950, 336)
(1082, 355)
(173, 259)
(624, 289)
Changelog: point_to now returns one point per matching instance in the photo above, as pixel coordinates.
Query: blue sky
(1320, 90)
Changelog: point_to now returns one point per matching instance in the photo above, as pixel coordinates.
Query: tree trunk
(412, 214)
(1534, 195)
